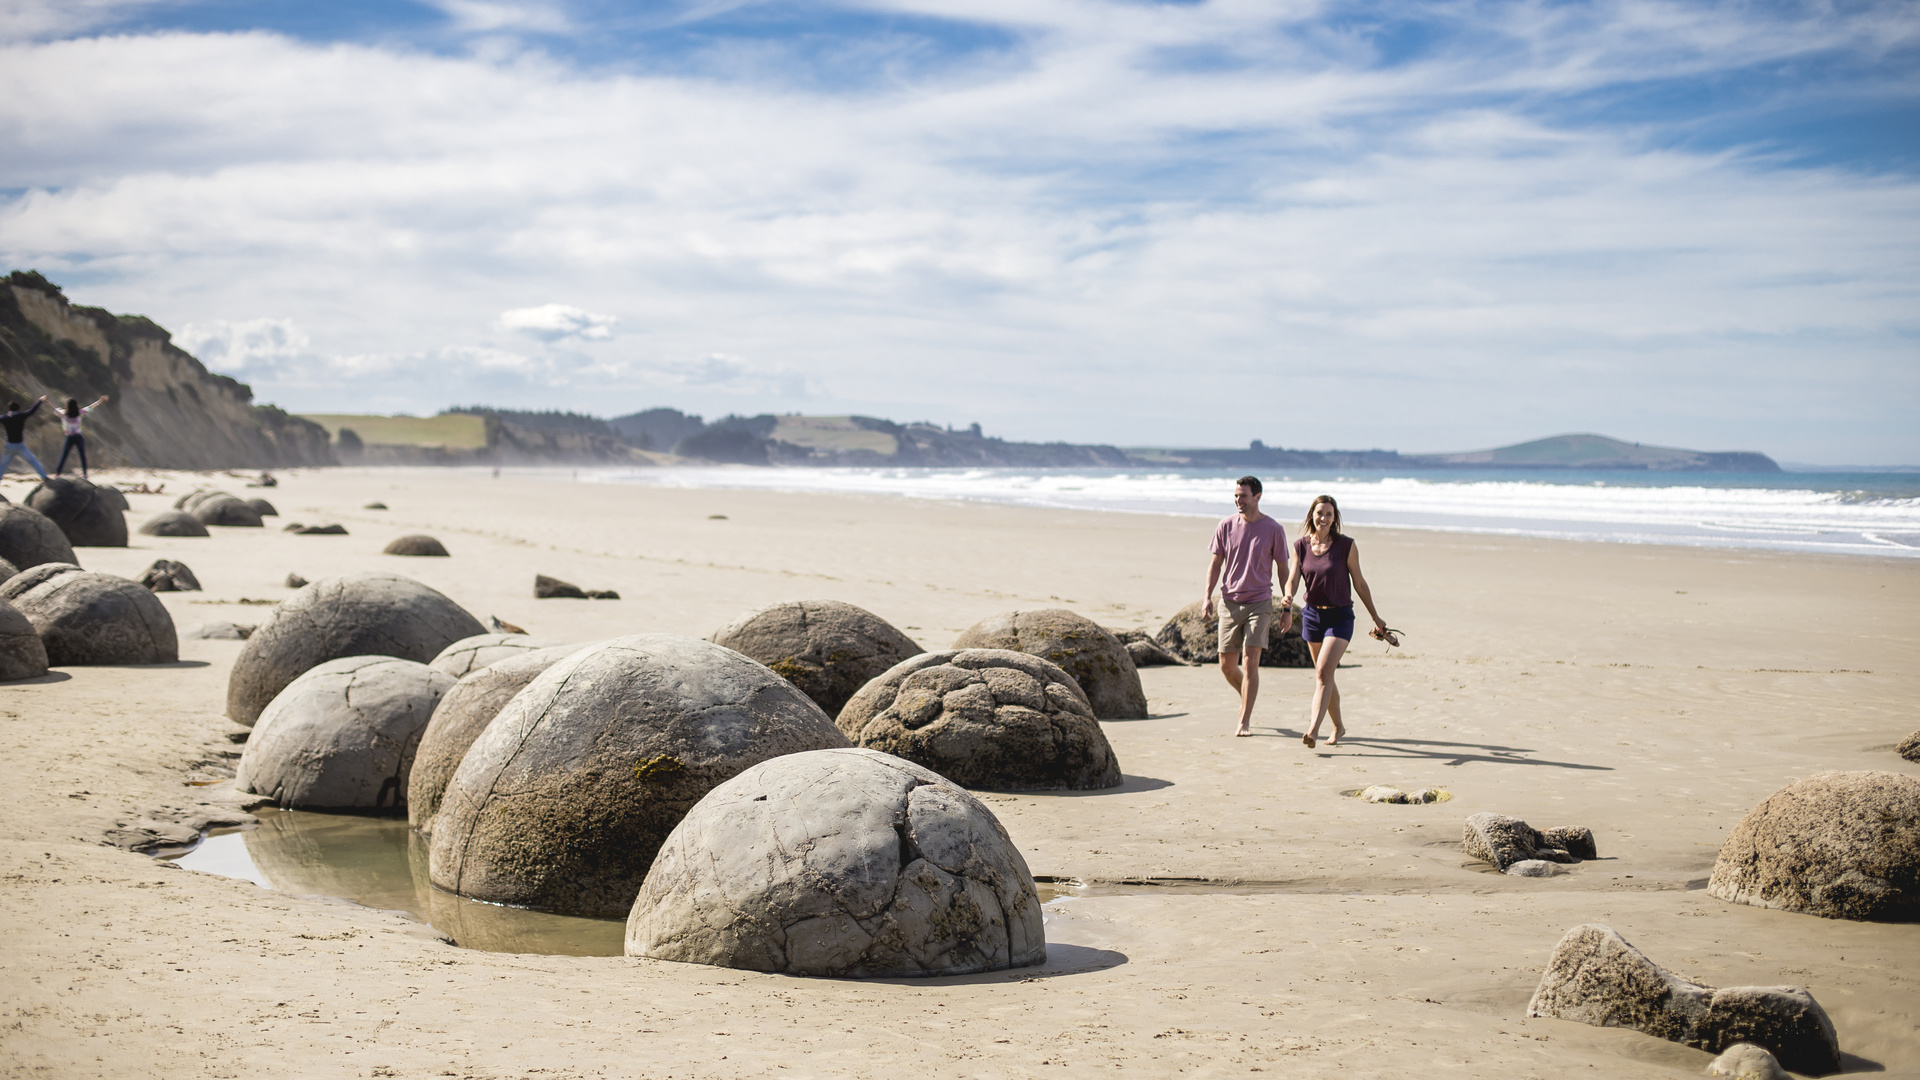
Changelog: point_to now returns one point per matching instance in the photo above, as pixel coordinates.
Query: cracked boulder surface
(1507, 841)
(173, 523)
(840, 863)
(88, 515)
(1595, 977)
(363, 614)
(87, 617)
(468, 655)
(562, 801)
(826, 648)
(1196, 639)
(22, 654)
(462, 715)
(1841, 845)
(29, 538)
(985, 718)
(342, 736)
(1077, 645)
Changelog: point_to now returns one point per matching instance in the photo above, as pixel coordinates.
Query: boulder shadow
(49, 677)
(1061, 960)
(163, 666)
(1137, 719)
(1128, 785)
(1854, 1063)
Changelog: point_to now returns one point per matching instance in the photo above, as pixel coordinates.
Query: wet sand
(1651, 694)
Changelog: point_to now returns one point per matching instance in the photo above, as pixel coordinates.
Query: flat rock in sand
(1504, 841)
(1841, 845)
(173, 523)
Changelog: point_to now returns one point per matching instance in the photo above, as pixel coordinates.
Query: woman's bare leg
(1326, 658)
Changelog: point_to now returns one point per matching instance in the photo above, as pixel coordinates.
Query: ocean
(1864, 513)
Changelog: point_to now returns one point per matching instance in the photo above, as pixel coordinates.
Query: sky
(1407, 225)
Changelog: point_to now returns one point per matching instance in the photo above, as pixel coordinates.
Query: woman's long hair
(73, 407)
(1306, 525)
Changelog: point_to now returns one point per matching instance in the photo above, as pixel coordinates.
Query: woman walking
(1330, 563)
(70, 423)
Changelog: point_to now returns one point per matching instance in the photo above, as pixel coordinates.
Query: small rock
(1909, 748)
(1380, 793)
(317, 530)
(417, 544)
(375, 506)
(602, 594)
(264, 480)
(220, 631)
(295, 581)
(1745, 1061)
(166, 575)
(1503, 841)
(550, 588)
(1531, 868)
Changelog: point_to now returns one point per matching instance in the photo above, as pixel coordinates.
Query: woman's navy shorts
(1318, 624)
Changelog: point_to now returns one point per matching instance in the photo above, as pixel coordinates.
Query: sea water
(1865, 513)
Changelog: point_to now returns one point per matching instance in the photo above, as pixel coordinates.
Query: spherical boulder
(1842, 845)
(262, 507)
(22, 654)
(468, 655)
(29, 538)
(826, 648)
(342, 735)
(86, 617)
(460, 718)
(195, 497)
(985, 718)
(417, 544)
(223, 509)
(1081, 648)
(88, 516)
(173, 523)
(1195, 638)
(841, 863)
(363, 614)
(563, 800)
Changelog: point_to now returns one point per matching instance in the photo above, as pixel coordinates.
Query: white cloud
(557, 322)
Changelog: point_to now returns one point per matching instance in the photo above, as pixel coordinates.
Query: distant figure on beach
(1246, 546)
(70, 423)
(15, 421)
(1330, 563)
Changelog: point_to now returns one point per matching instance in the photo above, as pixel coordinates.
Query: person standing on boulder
(15, 422)
(1246, 547)
(70, 423)
(1330, 563)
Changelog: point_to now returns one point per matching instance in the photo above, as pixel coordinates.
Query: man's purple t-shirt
(1251, 549)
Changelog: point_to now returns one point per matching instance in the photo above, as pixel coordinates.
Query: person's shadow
(1447, 753)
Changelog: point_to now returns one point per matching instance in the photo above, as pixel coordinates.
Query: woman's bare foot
(1308, 739)
(1338, 732)
(1242, 733)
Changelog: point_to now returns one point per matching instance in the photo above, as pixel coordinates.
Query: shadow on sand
(1447, 753)
(1061, 960)
(1128, 784)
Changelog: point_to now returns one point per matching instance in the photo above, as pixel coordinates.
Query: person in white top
(70, 423)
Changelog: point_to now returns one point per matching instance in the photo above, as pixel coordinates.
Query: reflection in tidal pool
(381, 863)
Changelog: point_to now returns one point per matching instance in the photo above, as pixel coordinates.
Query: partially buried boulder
(417, 544)
(262, 507)
(195, 497)
(363, 614)
(985, 718)
(22, 654)
(342, 736)
(1196, 640)
(468, 655)
(173, 523)
(1078, 646)
(224, 509)
(826, 648)
(1507, 841)
(1909, 747)
(1841, 845)
(89, 516)
(168, 575)
(840, 863)
(1595, 977)
(1745, 1061)
(460, 718)
(1145, 651)
(552, 588)
(29, 538)
(563, 800)
(85, 617)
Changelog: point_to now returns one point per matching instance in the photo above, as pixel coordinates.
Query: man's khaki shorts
(1244, 626)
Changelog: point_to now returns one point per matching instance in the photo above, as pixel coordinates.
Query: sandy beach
(1652, 694)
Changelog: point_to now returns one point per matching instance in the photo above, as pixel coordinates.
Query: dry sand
(1652, 694)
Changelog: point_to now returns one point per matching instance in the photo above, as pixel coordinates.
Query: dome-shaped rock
(1196, 639)
(29, 538)
(86, 617)
(840, 862)
(460, 718)
(194, 498)
(89, 516)
(223, 509)
(1909, 747)
(826, 648)
(417, 544)
(22, 654)
(262, 507)
(343, 735)
(1842, 845)
(468, 655)
(173, 523)
(985, 718)
(563, 800)
(364, 614)
(1080, 647)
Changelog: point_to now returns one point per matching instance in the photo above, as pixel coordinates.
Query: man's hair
(13, 406)
(1249, 482)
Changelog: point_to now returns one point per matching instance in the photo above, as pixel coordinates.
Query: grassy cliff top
(454, 431)
(833, 433)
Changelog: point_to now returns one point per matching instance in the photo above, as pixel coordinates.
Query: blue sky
(1418, 226)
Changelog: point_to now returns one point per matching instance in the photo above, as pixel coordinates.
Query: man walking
(1247, 546)
(15, 422)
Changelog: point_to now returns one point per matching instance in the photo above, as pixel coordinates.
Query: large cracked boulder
(342, 736)
(985, 718)
(29, 538)
(228, 510)
(173, 523)
(1197, 640)
(826, 648)
(1595, 977)
(88, 515)
(1507, 841)
(468, 655)
(840, 863)
(86, 617)
(563, 800)
(1080, 647)
(1841, 845)
(459, 719)
(22, 654)
(363, 614)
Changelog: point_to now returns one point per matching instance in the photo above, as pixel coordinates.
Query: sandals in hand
(1389, 635)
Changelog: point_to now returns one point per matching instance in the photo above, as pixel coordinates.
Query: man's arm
(1213, 578)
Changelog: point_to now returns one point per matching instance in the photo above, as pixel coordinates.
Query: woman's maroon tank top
(1328, 583)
